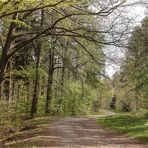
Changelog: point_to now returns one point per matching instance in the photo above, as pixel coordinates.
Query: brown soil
(77, 132)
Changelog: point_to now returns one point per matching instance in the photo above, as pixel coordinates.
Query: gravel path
(79, 132)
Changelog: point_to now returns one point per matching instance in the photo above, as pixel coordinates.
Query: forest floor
(74, 132)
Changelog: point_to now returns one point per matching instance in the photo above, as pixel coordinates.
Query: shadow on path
(77, 132)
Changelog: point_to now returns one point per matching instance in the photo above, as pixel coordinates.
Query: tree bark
(36, 86)
(50, 81)
(5, 51)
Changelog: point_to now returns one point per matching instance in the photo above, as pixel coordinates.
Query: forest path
(78, 132)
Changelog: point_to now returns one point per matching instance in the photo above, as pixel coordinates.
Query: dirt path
(78, 132)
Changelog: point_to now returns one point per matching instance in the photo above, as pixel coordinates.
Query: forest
(55, 60)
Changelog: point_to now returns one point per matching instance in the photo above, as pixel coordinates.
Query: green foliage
(126, 107)
(74, 100)
(19, 23)
(28, 27)
(10, 117)
(135, 71)
(113, 103)
(41, 105)
(105, 93)
(134, 126)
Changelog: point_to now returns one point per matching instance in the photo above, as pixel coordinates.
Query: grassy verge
(30, 128)
(134, 126)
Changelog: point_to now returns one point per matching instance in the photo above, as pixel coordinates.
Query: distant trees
(138, 58)
(48, 48)
(138, 55)
(113, 103)
(132, 82)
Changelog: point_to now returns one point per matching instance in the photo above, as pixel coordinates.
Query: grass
(134, 126)
(40, 121)
(30, 128)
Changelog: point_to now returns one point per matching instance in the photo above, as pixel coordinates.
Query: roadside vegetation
(53, 62)
(28, 129)
(132, 125)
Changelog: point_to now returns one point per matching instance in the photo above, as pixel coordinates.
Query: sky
(138, 13)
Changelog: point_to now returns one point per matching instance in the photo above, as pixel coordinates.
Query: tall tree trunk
(57, 90)
(36, 86)
(5, 51)
(50, 80)
(10, 83)
(1, 91)
(64, 67)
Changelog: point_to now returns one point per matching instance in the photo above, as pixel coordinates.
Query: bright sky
(138, 13)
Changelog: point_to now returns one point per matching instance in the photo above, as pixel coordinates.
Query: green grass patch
(134, 126)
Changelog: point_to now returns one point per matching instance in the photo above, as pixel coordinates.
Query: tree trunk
(5, 51)
(36, 86)
(1, 91)
(50, 80)
(64, 67)
(10, 91)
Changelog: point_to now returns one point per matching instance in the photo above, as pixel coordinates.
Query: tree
(135, 68)
(76, 55)
(20, 13)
